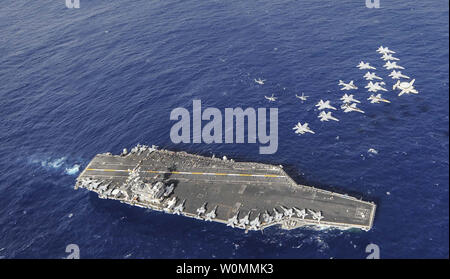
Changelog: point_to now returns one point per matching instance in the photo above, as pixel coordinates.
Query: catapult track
(226, 187)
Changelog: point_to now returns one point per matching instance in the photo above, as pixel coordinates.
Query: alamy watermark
(212, 131)
(373, 250)
(73, 250)
(373, 4)
(73, 4)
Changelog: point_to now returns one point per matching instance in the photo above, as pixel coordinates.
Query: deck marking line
(195, 173)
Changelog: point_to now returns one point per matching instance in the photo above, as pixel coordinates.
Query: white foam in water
(56, 164)
(60, 163)
(73, 170)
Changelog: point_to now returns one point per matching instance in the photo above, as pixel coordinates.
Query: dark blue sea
(77, 82)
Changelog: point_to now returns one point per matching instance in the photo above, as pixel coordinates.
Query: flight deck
(250, 196)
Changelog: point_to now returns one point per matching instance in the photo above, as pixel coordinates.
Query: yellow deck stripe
(195, 173)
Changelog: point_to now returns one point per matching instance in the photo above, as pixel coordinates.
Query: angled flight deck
(250, 196)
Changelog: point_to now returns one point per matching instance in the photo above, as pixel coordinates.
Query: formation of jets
(349, 102)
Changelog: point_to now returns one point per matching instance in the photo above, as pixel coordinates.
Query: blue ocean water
(77, 82)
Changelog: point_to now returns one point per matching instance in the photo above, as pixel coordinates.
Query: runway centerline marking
(194, 173)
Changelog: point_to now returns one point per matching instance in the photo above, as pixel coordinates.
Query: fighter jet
(347, 86)
(364, 66)
(326, 116)
(267, 218)
(300, 213)
(302, 97)
(211, 215)
(288, 212)
(104, 186)
(387, 57)
(245, 220)
(324, 105)
(371, 76)
(179, 208)
(85, 182)
(94, 184)
(316, 215)
(278, 215)
(171, 203)
(352, 107)
(233, 221)
(405, 87)
(201, 210)
(377, 99)
(109, 191)
(392, 65)
(260, 81)
(271, 98)
(255, 223)
(397, 75)
(384, 50)
(302, 129)
(169, 190)
(374, 87)
(349, 99)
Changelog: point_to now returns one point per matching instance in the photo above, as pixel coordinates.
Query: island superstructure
(250, 196)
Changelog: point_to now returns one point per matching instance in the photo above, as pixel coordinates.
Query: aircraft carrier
(249, 196)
